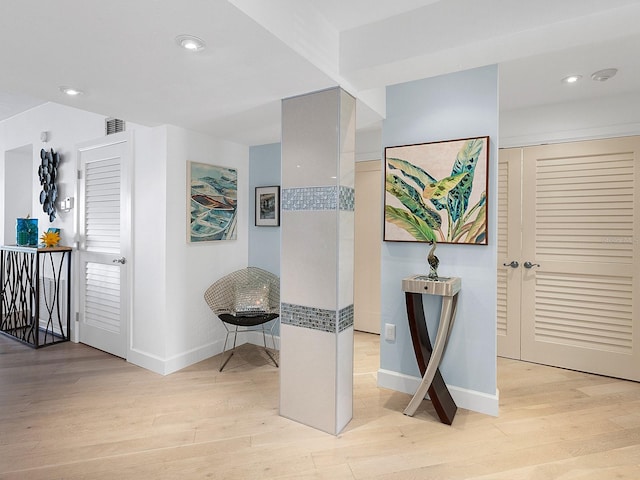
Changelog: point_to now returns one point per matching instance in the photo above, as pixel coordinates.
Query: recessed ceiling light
(604, 75)
(191, 43)
(571, 79)
(71, 91)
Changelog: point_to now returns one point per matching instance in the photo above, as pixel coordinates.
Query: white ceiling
(123, 55)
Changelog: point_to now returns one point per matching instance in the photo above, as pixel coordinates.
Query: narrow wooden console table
(428, 356)
(35, 294)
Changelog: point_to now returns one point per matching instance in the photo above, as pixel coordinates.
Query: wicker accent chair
(245, 300)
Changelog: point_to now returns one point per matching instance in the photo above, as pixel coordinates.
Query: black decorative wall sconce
(48, 172)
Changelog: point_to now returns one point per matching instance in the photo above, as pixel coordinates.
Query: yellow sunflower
(50, 239)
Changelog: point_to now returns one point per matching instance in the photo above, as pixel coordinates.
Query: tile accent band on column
(345, 318)
(319, 198)
(316, 318)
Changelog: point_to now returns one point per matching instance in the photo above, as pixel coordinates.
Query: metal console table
(32, 294)
(429, 357)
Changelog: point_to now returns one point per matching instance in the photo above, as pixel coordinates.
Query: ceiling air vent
(113, 125)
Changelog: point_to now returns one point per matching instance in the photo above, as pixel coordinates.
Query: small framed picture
(268, 206)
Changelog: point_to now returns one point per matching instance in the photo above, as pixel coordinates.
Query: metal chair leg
(264, 340)
(235, 332)
(224, 348)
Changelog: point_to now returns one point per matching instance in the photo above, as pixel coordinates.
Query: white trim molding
(468, 399)
(166, 366)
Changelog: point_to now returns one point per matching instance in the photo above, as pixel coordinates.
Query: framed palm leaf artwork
(437, 192)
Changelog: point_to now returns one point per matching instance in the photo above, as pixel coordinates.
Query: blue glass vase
(27, 232)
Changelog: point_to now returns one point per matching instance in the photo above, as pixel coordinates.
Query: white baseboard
(468, 399)
(178, 362)
(184, 359)
(175, 363)
(146, 360)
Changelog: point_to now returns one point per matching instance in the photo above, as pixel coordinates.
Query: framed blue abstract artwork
(212, 202)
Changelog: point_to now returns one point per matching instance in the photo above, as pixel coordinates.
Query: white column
(316, 333)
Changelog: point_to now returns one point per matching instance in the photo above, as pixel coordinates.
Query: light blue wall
(264, 242)
(449, 107)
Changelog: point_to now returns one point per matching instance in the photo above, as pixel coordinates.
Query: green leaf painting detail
(419, 176)
(419, 192)
(466, 161)
(437, 190)
(412, 199)
(409, 222)
(479, 225)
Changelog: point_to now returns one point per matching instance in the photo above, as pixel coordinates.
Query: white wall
(193, 332)
(148, 320)
(368, 143)
(172, 326)
(67, 127)
(18, 172)
(603, 117)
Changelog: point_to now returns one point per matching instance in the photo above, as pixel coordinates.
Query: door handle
(120, 260)
(530, 265)
(513, 264)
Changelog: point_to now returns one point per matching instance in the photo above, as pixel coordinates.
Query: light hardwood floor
(71, 412)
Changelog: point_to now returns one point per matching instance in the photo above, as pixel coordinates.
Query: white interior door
(578, 266)
(368, 235)
(105, 232)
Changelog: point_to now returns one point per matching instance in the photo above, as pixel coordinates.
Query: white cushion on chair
(251, 299)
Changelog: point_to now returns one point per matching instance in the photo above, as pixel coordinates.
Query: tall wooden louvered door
(579, 265)
(105, 242)
(509, 251)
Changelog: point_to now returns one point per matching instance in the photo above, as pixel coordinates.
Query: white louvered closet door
(104, 243)
(580, 225)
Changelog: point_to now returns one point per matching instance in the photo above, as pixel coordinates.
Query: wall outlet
(390, 332)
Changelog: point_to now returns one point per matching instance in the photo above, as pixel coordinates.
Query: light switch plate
(390, 332)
